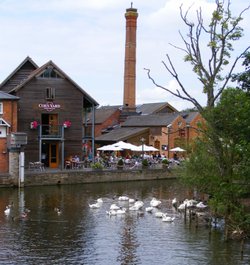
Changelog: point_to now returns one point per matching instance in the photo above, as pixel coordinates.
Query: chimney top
(131, 9)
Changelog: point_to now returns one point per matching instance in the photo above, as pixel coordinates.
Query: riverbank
(63, 177)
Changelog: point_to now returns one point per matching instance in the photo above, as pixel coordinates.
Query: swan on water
(159, 214)
(94, 205)
(201, 205)
(121, 211)
(166, 218)
(131, 200)
(149, 209)
(123, 198)
(99, 200)
(174, 202)
(114, 207)
(112, 212)
(155, 203)
(7, 210)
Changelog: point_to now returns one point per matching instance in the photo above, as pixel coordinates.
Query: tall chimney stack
(129, 93)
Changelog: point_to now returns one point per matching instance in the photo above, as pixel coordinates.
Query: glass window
(50, 93)
(1, 108)
(50, 72)
(3, 131)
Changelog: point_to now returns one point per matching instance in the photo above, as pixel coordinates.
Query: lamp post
(142, 144)
(169, 132)
(188, 126)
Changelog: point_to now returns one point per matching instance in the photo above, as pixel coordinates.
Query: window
(50, 72)
(50, 93)
(1, 108)
(3, 128)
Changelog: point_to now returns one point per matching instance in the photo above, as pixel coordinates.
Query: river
(81, 235)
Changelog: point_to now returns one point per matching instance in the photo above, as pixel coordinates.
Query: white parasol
(109, 148)
(177, 149)
(145, 148)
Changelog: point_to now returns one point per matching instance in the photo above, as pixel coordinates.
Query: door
(53, 155)
(53, 122)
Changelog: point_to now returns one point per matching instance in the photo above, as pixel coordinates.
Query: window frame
(50, 93)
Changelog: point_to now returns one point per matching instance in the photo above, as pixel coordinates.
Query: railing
(51, 131)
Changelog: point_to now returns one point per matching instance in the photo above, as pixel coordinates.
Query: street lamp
(142, 144)
(169, 132)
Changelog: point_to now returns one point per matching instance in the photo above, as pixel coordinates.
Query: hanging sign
(49, 106)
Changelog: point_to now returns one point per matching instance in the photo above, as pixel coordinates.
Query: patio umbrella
(124, 145)
(177, 149)
(109, 148)
(146, 148)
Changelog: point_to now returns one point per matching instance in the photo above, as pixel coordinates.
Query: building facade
(51, 110)
(8, 124)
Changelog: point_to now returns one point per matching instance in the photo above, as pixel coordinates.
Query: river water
(81, 235)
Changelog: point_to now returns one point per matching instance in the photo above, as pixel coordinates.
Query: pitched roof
(27, 60)
(103, 113)
(159, 119)
(121, 134)
(189, 116)
(4, 95)
(39, 71)
(150, 108)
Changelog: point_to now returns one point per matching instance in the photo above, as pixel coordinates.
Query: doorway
(50, 154)
(53, 155)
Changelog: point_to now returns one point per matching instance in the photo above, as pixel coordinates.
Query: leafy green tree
(220, 162)
(226, 180)
(243, 79)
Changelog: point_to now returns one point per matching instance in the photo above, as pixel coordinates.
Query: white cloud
(86, 39)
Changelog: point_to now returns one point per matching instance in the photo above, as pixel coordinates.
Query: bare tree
(222, 31)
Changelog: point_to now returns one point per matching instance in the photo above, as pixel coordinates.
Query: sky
(86, 39)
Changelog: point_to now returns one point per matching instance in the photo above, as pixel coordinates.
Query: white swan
(139, 204)
(7, 210)
(99, 200)
(94, 205)
(112, 212)
(58, 210)
(159, 214)
(134, 208)
(123, 198)
(121, 211)
(114, 207)
(166, 218)
(201, 205)
(149, 209)
(155, 203)
(174, 201)
(131, 200)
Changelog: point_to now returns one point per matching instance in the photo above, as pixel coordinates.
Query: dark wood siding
(71, 101)
(18, 77)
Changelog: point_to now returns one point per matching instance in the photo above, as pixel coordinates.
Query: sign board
(17, 139)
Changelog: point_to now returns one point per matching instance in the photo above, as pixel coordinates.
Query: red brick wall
(113, 119)
(10, 116)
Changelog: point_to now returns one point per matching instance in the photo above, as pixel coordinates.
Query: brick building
(8, 124)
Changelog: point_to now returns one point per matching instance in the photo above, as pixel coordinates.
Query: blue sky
(86, 39)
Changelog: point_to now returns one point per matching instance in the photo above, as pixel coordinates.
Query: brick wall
(10, 116)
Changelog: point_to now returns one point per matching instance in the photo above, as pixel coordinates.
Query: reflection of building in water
(129, 243)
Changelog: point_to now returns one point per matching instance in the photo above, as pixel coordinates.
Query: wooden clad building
(51, 111)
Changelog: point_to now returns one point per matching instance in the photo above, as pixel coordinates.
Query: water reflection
(80, 235)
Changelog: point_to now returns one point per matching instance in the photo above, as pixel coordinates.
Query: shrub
(145, 162)
(97, 165)
(165, 161)
(120, 162)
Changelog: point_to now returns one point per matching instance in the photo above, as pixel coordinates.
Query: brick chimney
(129, 93)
